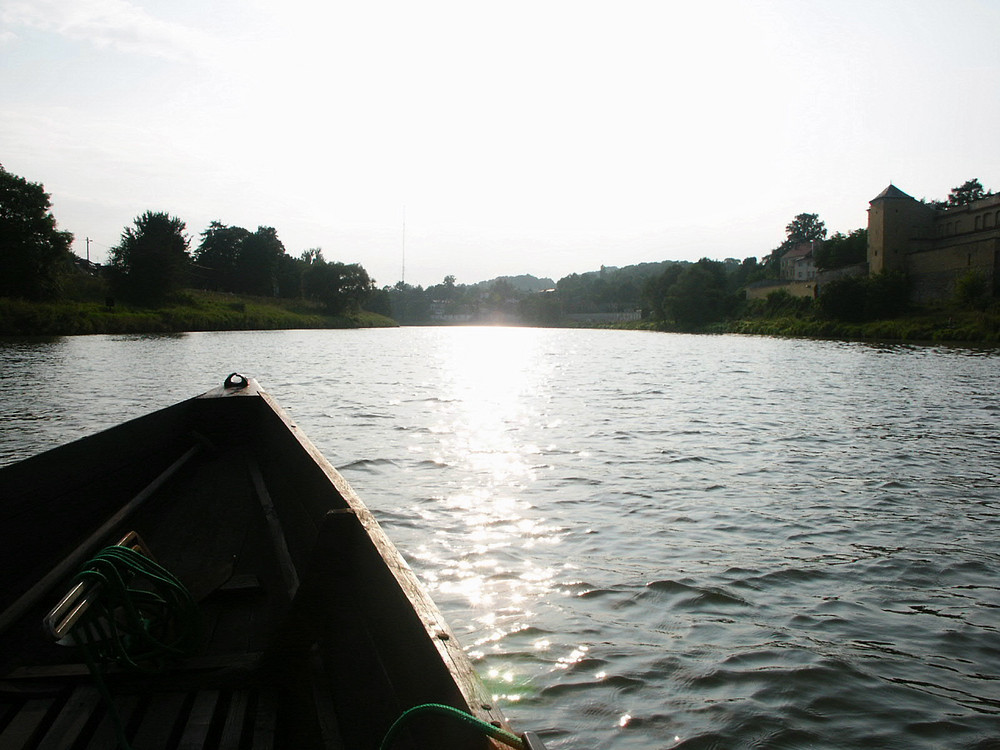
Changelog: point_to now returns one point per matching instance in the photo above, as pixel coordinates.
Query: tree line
(153, 260)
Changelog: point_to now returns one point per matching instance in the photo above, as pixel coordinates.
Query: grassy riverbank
(959, 327)
(944, 326)
(191, 310)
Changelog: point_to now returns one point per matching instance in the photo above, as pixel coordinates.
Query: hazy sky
(515, 137)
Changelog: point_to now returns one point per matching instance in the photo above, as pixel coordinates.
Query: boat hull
(315, 631)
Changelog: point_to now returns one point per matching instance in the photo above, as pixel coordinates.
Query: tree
(312, 255)
(380, 302)
(967, 192)
(341, 288)
(842, 250)
(972, 290)
(288, 277)
(218, 255)
(699, 295)
(257, 267)
(654, 291)
(410, 304)
(151, 260)
(690, 295)
(856, 299)
(540, 308)
(33, 253)
(804, 228)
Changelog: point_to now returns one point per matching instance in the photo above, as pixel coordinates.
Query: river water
(643, 540)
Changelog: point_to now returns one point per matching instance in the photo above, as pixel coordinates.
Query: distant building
(934, 246)
(797, 272)
(797, 264)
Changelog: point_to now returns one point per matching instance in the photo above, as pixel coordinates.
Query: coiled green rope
(138, 628)
(496, 733)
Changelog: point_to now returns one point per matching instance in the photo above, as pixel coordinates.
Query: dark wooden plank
(161, 718)
(326, 712)
(74, 716)
(241, 582)
(279, 543)
(265, 721)
(199, 721)
(232, 730)
(105, 736)
(208, 662)
(25, 728)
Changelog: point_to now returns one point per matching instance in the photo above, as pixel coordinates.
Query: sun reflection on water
(493, 384)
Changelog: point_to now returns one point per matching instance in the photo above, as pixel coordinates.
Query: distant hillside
(523, 283)
(636, 271)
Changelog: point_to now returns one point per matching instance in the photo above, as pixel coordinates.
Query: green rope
(138, 628)
(496, 733)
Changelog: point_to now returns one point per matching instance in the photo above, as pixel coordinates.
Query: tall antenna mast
(402, 275)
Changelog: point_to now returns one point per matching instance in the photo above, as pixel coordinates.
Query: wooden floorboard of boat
(27, 723)
(161, 716)
(199, 721)
(72, 719)
(173, 720)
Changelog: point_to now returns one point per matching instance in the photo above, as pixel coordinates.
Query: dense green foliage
(863, 298)
(963, 195)
(939, 325)
(972, 291)
(151, 261)
(607, 290)
(218, 259)
(233, 259)
(259, 260)
(842, 250)
(692, 296)
(804, 228)
(35, 255)
(340, 287)
(967, 192)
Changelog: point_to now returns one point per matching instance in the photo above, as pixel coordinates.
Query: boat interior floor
(208, 527)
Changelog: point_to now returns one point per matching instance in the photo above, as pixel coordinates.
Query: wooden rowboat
(309, 629)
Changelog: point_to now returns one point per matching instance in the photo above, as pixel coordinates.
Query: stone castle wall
(934, 247)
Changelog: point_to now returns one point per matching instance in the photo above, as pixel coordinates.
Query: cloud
(115, 24)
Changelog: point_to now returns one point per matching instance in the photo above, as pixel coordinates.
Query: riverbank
(961, 326)
(191, 310)
(198, 310)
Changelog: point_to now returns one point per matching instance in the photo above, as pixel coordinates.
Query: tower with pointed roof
(898, 224)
